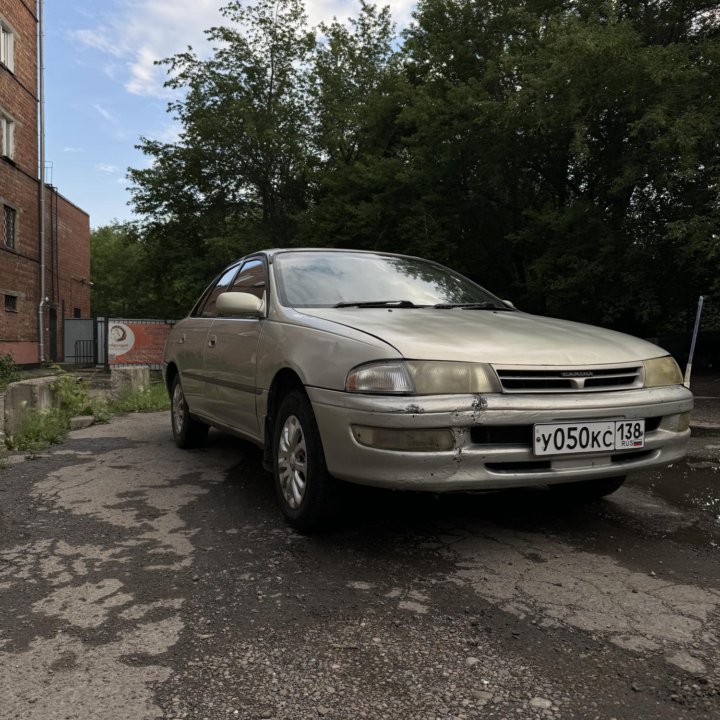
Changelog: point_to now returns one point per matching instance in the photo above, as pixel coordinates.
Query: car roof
(273, 252)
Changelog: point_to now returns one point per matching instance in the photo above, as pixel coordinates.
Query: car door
(231, 356)
(190, 338)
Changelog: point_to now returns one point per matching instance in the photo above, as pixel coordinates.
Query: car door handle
(212, 341)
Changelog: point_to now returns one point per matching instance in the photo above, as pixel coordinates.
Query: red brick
(67, 228)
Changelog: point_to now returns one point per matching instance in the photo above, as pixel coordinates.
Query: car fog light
(683, 422)
(429, 440)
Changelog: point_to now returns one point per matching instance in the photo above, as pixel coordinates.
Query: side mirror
(238, 303)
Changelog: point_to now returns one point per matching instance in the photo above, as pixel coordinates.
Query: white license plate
(587, 437)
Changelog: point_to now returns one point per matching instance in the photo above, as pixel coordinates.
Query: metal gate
(84, 341)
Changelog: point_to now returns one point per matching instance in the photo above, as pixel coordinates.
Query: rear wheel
(306, 491)
(187, 431)
(586, 490)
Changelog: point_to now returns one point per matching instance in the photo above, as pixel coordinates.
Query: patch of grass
(39, 429)
(150, 399)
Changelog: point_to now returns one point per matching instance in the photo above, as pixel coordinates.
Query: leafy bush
(72, 396)
(8, 371)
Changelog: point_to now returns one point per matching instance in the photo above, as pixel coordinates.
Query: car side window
(222, 285)
(252, 279)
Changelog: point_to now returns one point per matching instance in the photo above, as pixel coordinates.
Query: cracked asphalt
(140, 581)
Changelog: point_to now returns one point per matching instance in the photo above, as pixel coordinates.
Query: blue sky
(102, 91)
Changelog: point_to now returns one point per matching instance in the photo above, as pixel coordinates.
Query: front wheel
(187, 432)
(306, 491)
(586, 490)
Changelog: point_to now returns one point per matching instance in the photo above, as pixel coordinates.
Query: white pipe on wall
(41, 144)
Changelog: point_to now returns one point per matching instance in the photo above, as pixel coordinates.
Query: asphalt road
(141, 581)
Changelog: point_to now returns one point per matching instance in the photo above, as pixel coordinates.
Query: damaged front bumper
(490, 444)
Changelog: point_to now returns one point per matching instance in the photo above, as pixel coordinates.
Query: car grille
(568, 379)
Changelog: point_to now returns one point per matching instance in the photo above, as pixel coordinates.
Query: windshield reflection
(325, 279)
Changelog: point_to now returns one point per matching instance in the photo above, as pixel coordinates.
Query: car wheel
(586, 490)
(187, 431)
(306, 491)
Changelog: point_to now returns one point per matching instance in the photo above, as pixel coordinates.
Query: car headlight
(662, 371)
(422, 377)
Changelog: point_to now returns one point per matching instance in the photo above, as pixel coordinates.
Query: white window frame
(7, 46)
(7, 136)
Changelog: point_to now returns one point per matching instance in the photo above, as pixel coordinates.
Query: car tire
(187, 431)
(587, 490)
(306, 492)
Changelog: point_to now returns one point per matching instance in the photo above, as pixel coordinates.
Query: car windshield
(327, 279)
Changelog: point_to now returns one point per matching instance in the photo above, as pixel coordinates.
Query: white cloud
(106, 168)
(73, 150)
(106, 114)
(96, 39)
(140, 32)
(115, 129)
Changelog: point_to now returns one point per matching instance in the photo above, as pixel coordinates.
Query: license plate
(587, 437)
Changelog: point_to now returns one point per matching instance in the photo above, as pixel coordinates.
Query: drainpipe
(41, 142)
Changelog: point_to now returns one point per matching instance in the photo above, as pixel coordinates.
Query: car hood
(503, 338)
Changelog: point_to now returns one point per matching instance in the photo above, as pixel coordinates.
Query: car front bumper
(493, 437)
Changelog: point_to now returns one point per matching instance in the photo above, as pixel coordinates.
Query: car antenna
(688, 369)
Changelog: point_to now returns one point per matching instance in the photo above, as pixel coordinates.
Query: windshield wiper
(472, 306)
(379, 304)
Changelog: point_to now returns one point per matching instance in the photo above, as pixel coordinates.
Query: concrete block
(20, 397)
(81, 421)
(127, 380)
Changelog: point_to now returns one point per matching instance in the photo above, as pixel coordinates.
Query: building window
(77, 313)
(9, 226)
(7, 46)
(10, 303)
(7, 136)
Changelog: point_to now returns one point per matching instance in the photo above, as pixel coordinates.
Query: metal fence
(120, 342)
(85, 341)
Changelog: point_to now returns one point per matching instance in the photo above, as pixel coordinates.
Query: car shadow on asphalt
(389, 512)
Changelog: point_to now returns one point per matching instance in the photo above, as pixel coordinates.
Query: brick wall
(19, 187)
(18, 89)
(67, 231)
(68, 260)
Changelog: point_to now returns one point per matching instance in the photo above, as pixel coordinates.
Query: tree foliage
(123, 282)
(565, 154)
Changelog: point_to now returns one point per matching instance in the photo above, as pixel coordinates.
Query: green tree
(564, 154)
(235, 179)
(122, 277)
(568, 153)
(617, 164)
(357, 92)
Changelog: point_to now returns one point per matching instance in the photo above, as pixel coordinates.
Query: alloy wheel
(178, 408)
(292, 462)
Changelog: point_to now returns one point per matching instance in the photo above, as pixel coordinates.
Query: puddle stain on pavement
(590, 592)
(84, 595)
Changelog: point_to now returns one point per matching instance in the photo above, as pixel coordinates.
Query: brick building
(67, 227)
